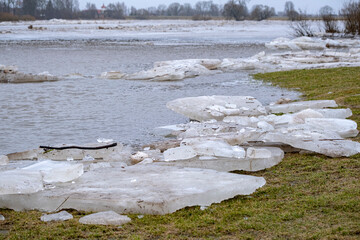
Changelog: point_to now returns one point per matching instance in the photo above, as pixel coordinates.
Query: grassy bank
(306, 196)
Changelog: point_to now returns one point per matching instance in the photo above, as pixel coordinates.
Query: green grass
(306, 196)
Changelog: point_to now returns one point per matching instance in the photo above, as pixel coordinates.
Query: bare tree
(236, 9)
(261, 12)
(329, 19)
(174, 9)
(290, 11)
(351, 12)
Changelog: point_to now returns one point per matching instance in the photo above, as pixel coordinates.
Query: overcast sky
(310, 6)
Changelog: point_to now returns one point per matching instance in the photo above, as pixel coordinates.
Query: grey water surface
(82, 107)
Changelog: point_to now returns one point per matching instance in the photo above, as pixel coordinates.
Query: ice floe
(10, 74)
(142, 189)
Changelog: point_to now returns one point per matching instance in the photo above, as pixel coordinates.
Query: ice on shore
(105, 218)
(10, 74)
(61, 216)
(231, 158)
(52, 171)
(141, 189)
(308, 43)
(118, 153)
(216, 107)
(301, 105)
(20, 182)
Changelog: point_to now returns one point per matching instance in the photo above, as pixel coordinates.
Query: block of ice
(112, 75)
(326, 143)
(344, 127)
(302, 105)
(335, 113)
(215, 148)
(10, 74)
(216, 107)
(140, 189)
(57, 171)
(20, 182)
(259, 158)
(61, 216)
(178, 153)
(4, 160)
(105, 218)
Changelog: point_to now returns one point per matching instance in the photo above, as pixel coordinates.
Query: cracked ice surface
(143, 189)
(216, 107)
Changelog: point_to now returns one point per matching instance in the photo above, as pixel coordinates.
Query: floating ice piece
(210, 64)
(57, 171)
(157, 190)
(202, 108)
(335, 113)
(2, 218)
(344, 127)
(61, 216)
(4, 160)
(112, 75)
(20, 182)
(105, 218)
(104, 140)
(170, 72)
(10, 74)
(302, 105)
(178, 153)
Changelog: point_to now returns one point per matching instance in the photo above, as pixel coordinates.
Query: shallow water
(83, 107)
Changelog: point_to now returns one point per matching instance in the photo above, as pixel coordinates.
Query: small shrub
(302, 26)
(201, 18)
(27, 18)
(5, 17)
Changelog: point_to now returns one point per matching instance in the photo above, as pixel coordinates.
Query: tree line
(69, 9)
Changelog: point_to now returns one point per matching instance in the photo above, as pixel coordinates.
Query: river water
(82, 107)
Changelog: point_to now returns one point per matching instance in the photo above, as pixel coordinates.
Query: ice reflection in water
(81, 110)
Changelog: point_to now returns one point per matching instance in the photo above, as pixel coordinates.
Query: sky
(310, 6)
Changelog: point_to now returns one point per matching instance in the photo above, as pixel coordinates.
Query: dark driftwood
(79, 147)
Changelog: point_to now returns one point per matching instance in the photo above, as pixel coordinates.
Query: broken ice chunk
(158, 190)
(20, 182)
(344, 127)
(57, 171)
(105, 218)
(216, 148)
(178, 153)
(214, 107)
(298, 106)
(61, 216)
(335, 113)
